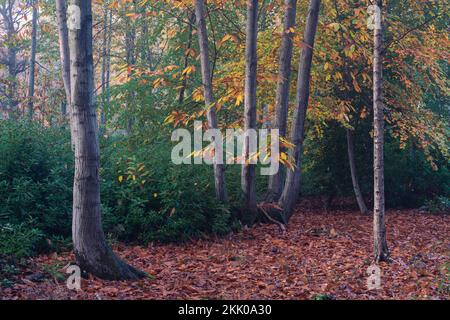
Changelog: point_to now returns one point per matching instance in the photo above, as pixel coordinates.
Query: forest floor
(320, 254)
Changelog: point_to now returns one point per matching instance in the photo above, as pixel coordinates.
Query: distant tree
(11, 16)
(34, 19)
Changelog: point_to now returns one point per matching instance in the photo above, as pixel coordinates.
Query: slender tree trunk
(32, 61)
(64, 56)
(104, 64)
(12, 67)
(282, 95)
(108, 60)
(219, 170)
(248, 177)
(354, 173)
(191, 18)
(146, 54)
(381, 251)
(130, 48)
(91, 250)
(291, 188)
(63, 46)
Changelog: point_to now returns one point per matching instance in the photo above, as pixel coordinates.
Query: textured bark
(32, 61)
(91, 250)
(248, 176)
(354, 173)
(381, 251)
(219, 170)
(291, 188)
(282, 95)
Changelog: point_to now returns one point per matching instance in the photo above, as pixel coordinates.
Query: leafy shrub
(438, 205)
(146, 198)
(36, 170)
(19, 241)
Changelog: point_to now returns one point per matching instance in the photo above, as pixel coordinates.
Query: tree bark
(219, 170)
(248, 176)
(63, 46)
(91, 250)
(381, 251)
(354, 173)
(32, 60)
(64, 56)
(282, 95)
(291, 188)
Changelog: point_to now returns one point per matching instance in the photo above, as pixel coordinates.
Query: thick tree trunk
(90, 247)
(248, 176)
(32, 61)
(381, 251)
(219, 170)
(291, 188)
(354, 173)
(282, 95)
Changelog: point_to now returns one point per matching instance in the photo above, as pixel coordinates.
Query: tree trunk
(63, 45)
(354, 173)
(64, 56)
(91, 250)
(381, 251)
(130, 48)
(248, 177)
(291, 188)
(219, 170)
(191, 18)
(32, 61)
(282, 95)
(108, 60)
(104, 64)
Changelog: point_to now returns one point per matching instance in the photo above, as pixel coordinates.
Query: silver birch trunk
(381, 251)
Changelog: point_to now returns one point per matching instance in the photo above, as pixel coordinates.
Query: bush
(19, 241)
(438, 205)
(146, 198)
(36, 170)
